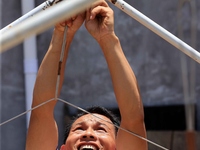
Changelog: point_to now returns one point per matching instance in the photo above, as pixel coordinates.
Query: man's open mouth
(88, 147)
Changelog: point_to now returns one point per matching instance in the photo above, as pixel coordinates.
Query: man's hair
(95, 109)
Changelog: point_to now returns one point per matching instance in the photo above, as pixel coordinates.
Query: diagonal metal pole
(157, 29)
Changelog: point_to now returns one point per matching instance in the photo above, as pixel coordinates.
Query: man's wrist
(60, 33)
(57, 39)
(108, 40)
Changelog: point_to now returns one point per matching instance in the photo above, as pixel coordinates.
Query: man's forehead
(93, 118)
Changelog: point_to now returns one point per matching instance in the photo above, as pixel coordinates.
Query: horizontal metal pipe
(166, 35)
(41, 21)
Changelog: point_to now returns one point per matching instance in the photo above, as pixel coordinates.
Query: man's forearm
(45, 86)
(123, 78)
(127, 95)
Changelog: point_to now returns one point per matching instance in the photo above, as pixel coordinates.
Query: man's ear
(62, 147)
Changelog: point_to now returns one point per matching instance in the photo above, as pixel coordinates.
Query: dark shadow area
(170, 117)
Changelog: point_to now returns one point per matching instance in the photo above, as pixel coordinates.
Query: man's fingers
(99, 10)
(95, 9)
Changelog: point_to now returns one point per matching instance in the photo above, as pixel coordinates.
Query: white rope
(61, 61)
(79, 108)
(9, 120)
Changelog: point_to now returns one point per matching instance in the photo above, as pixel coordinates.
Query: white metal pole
(166, 35)
(30, 61)
(42, 21)
(30, 13)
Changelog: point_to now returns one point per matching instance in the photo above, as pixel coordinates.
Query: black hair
(94, 109)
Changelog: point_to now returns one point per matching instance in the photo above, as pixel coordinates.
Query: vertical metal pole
(30, 61)
(188, 82)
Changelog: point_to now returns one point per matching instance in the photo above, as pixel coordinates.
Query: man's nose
(89, 134)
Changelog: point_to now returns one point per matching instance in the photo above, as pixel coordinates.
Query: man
(88, 131)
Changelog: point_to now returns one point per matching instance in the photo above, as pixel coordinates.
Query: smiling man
(93, 131)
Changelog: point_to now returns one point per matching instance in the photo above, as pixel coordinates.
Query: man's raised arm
(127, 95)
(42, 132)
(100, 24)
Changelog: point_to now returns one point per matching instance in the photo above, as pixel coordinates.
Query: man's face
(91, 133)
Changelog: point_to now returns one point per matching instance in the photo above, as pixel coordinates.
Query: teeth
(88, 147)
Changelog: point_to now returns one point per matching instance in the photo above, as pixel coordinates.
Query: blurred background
(168, 79)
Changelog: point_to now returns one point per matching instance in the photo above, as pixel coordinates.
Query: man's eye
(79, 128)
(101, 129)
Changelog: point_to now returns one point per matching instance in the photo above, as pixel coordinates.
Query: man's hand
(73, 24)
(99, 20)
